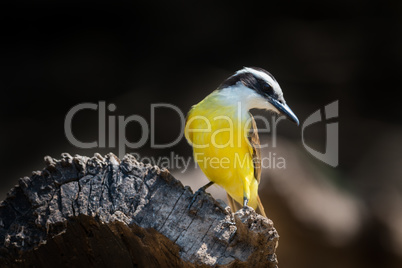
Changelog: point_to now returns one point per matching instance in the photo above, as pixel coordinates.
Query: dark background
(54, 57)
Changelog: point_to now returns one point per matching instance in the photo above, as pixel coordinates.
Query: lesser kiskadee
(224, 135)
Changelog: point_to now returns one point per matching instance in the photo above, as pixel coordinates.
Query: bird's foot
(196, 194)
(245, 201)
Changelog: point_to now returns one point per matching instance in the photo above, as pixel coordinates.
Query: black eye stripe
(231, 81)
(265, 88)
(251, 81)
(246, 79)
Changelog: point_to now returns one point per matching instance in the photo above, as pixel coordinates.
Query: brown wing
(255, 143)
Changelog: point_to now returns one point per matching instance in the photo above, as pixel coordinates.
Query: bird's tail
(236, 206)
(260, 209)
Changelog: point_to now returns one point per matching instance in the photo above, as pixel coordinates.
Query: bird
(224, 135)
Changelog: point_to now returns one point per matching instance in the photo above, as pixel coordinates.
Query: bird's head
(260, 89)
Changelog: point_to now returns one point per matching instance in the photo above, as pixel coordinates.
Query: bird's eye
(268, 89)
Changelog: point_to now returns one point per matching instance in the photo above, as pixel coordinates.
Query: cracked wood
(103, 211)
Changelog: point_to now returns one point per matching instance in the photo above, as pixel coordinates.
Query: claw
(245, 201)
(202, 189)
(195, 197)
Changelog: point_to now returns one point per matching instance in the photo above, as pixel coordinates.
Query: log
(107, 212)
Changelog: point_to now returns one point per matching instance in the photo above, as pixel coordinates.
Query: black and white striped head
(260, 89)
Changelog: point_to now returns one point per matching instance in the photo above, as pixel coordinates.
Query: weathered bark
(104, 212)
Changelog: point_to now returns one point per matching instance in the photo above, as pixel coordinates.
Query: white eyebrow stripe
(263, 76)
(259, 74)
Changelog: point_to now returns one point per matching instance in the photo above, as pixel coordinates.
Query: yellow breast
(221, 147)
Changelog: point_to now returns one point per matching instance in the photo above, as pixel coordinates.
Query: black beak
(285, 110)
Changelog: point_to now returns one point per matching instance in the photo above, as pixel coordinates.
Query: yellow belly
(223, 152)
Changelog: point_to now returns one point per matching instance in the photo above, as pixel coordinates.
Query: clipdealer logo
(147, 130)
(107, 136)
(331, 154)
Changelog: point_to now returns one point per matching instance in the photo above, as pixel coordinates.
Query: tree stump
(107, 212)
